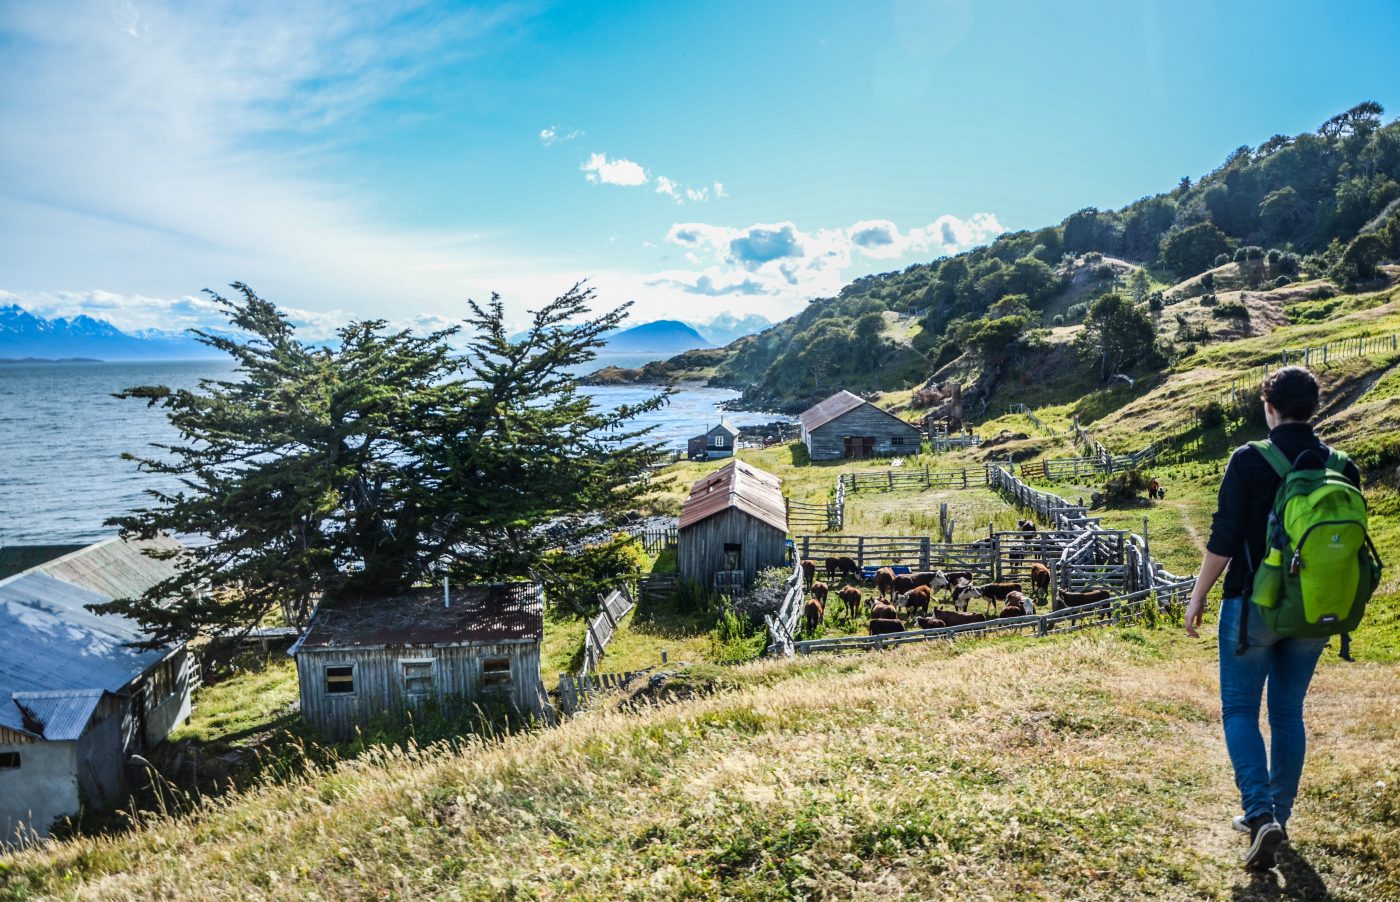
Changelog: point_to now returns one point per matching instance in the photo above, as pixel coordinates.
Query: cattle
(903, 582)
(963, 593)
(958, 618)
(916, 599)
(992, 593)
(998, 591)
(881, 611)
(1075, 599)
(1155, 490)
(1040, 580)
(819, 590)
(841, 566)
(934, 579)
(850, 596)
(953, 577)
(929, 623)
(880, 626)
(809, 571)
(813, 612)
(1025, 525)
(884, 581)
(1025, 602)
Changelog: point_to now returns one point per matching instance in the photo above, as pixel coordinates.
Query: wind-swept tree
(313, 472)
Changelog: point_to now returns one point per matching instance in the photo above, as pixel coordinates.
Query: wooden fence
(1056, 469)
(782, 626)
(915, 477)
(602, 628)
(655, 540)
(915, 552)
(575, 691)
(1341, 349)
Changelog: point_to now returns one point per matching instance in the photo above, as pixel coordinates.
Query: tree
(1116, 332)
(1360, 259)
(1192, 249)
(1139, 284)
(360, 468)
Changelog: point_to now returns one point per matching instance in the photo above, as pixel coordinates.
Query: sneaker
(1240, 825)
(1265, 837)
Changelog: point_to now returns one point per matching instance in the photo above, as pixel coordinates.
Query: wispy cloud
(554, 135)
(599, 169)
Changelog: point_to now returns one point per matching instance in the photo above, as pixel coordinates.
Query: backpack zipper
(1297, 562)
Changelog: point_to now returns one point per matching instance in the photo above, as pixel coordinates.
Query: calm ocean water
(62, 435)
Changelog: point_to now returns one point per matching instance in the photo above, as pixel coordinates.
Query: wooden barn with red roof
(733, 525)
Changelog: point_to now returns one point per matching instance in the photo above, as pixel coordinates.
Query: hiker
(1252, 653)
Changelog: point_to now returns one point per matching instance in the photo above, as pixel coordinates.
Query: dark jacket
(1247, 495)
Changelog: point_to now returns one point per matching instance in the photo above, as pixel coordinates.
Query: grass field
(918, 773)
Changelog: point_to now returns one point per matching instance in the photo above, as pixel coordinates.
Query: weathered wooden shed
(361, 658)
(719, 441)
(847, 426)
(76, 699)
(733, 524)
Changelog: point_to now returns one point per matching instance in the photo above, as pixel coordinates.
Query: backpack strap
(1274, 456)
(1337, 460)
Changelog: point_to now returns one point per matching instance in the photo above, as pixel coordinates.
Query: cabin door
(859, 447)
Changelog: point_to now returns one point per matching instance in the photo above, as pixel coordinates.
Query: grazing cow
(1075, 599)
(812, 612)
(916, 599)
(1025, 525)
(929, 623)
(958, 618)
(903, 582)
(841, 566)
(850, 597)
(998, 591)
(934, 579)
(819, 590)
(880, 626)
(884, 581)
(962, 594)
(879, 610)
(1155, 490)
(1040, 580)
(809, 571)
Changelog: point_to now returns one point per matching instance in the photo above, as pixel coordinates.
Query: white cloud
(554, 134)
(616, 171)
(669, 188)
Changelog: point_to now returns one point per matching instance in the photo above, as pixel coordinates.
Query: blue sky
(392, 159)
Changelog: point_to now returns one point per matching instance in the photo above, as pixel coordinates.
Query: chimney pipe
(446, 598)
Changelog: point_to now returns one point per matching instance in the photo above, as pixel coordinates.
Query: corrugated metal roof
(824, 412)
(117, 568)
(50, 643)
(58, 716)
(736, 484)
(417, 617)
(19, 558)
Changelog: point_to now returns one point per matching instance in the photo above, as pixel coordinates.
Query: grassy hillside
(1065, 768)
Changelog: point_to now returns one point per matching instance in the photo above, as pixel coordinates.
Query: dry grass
(923, 773)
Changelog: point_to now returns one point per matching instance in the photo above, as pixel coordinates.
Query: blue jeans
(1267, 785)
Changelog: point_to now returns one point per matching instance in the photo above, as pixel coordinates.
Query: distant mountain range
(669, 336)
(727, 327)
(22, 334)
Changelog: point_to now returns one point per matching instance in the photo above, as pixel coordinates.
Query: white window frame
(719, 439)
(326, 681)
(431, 663)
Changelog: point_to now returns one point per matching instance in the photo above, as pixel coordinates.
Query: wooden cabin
(364, 658)
(77, 700)
(847, 426)
(733, 525)
(714, 443)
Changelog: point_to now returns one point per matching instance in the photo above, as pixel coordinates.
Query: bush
(1208, 300)
(1057, 320)
(1105, 271)
(1126, 486)
(1211, 415)
(1222, 259)
(1282, 281)
(575, 580)
(1274, 256)
(1231, 310)
(1249, 252)
(765, 596)
(1076, 312)
(1208, 281)
(1290, 263)
(1155, 303)
(1322, 293)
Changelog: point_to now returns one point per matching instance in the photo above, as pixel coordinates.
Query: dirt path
(1186, 524)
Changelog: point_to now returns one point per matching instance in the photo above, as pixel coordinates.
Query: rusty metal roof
(738, 485)
(843, 402)
(478, 613)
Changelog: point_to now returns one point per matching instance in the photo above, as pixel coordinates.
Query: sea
(62, 436)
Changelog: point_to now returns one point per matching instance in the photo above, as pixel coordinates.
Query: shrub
(575, 580)
(1208, 300)
(1231, 310)
(1126, 486)
(1274, 256)
(1076, 312)
(1211, 415)
(1222, 259)
(1322, 293)
(1290, 263)
(1208, 281)
(1057, 320)
(1282, 281)
(1249, 252)
(765, 596)
(1155, 303)
(1105, 271)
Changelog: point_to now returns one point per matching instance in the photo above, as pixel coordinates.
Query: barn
(847, 426)
(366, 657)
(733, 524)
(76, 699)
(714, 443)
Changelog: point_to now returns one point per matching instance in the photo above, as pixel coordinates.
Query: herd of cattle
(905, 601)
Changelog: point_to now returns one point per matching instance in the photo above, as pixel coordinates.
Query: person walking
(1253, 656)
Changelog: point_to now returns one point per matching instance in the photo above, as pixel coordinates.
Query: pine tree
(315, 472)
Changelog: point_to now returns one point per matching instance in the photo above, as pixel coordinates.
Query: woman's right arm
(1212, 565)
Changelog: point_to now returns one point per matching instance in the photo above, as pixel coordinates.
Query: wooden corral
(733, 525)
(363, 658)
(846, 426)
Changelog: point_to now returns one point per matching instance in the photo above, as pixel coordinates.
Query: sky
(392, 159)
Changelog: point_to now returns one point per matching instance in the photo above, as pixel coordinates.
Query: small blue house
(718, 442)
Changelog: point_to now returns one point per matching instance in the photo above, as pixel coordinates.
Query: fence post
(1324, 355)
(924, 550)
(890, 474)
(806, 548)
(926, 482)
(860, 551)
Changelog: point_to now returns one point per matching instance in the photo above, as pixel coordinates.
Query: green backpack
(1320, 567)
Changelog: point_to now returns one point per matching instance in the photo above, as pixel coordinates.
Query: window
(340, 679)
(495, 672)
(9, 760)
(418, 677)
(897, 440)
(733, 556)
(719, 441)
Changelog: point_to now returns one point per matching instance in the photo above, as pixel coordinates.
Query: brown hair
(1293, 393)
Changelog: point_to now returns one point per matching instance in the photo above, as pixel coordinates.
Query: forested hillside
(1320, 204)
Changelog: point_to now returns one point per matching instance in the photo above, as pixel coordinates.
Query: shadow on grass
(1299, 881)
